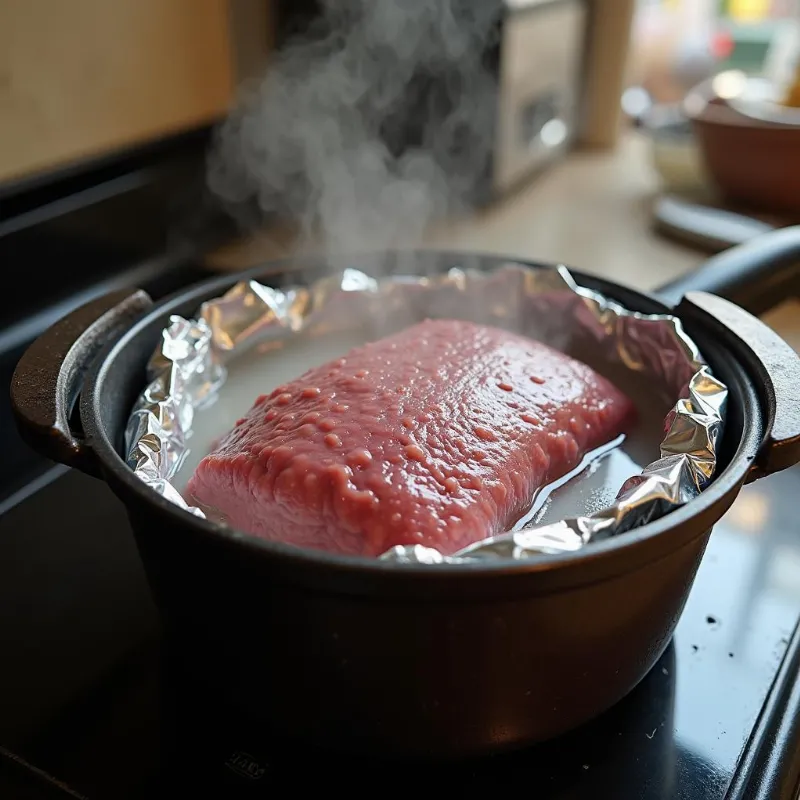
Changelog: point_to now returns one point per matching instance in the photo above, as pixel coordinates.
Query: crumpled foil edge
(187, 370)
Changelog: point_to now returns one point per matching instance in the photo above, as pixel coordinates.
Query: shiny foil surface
(187, 371)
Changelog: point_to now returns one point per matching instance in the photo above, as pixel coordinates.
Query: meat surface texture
(439, 435)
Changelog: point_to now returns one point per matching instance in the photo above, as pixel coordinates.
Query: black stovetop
(88, 696)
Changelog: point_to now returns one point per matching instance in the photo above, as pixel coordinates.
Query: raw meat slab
(439, 435)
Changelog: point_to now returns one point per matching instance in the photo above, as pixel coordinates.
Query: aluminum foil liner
(187, 370)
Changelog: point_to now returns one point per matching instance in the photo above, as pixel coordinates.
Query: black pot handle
(775, 367)
(756, 275)
(49, 376)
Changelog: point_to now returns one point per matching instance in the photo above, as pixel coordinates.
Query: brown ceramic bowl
(753, 162)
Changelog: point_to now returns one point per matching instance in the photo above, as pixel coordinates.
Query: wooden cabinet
(81, 78)
(607, 51)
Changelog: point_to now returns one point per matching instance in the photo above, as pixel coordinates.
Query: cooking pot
(447, 660)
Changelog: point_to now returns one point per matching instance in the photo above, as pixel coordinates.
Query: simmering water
(597, 480)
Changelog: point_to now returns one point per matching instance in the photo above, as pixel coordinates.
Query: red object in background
(722, 45)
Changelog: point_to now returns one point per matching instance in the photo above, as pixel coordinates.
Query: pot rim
(604, 559)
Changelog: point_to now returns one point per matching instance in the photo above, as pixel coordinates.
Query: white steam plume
(368, 127)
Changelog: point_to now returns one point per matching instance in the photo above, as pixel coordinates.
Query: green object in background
(751, 28)
(750, 44)
(746, 10)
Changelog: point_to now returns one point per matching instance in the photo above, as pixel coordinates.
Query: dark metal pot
(403, 659)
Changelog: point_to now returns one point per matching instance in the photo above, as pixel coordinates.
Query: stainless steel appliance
(539, 86)
(525, 104)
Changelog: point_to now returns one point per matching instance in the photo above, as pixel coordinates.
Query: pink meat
(439, 435)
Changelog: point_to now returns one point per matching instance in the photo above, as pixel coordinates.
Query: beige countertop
(590, 212)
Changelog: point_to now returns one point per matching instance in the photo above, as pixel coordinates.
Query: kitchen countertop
(592, 212)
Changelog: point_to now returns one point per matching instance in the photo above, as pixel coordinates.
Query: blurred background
(621, 97)
(678, 43)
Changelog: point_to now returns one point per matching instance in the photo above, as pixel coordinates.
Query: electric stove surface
(88, 698)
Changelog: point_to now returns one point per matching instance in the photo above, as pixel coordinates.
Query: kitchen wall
(81, 78)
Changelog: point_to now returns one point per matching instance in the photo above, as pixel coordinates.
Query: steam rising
(371, 125)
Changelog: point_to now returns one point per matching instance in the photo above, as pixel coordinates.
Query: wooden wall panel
(80, 78)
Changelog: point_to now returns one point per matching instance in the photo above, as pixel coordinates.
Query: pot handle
(775, 369)
(48, 378)
(756, 275)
